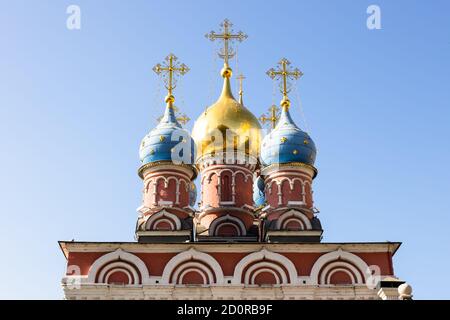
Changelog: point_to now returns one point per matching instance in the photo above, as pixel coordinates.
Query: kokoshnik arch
(254, 234)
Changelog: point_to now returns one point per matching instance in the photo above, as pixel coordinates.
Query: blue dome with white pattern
(287, 143)
(168, 141)
(259, 197)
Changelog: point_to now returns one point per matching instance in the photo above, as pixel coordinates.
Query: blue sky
(74, 106)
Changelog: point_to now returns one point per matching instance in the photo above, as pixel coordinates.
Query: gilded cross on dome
(272, 117)
(226, 36)
(284, 73)
(169, 70)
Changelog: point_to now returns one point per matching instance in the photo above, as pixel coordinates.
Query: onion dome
(229, 121)
(258, 192)
(168, 141)
(287, 143)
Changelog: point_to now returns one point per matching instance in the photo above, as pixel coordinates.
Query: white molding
(295, 219)
(193, 266)
(218, 221)
(336, 255)
(294, 213)
(260, 255)
(265, 265)
(227, 203)
(255, 274)
(237, 292)
(188, 255)
(119, 254)
(166, 214)
(294, 233)
(351, 275)
(323, 247)
(207, 210)
(170, 222)
(268, 171)
(163, 233)
(165, 203)
(295, 203)
(143, 209)
(168, 169)
(205, 281)
(357, 279)
(116, 266)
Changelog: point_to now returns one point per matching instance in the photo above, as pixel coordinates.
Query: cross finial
(241, 91)
(181, 117)
(272, 117)
(169, 69)
(284, 73)
(226, 36)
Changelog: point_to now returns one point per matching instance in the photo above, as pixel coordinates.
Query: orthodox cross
(226, 36)
(272, 117)
(284, 73)
(169, 69)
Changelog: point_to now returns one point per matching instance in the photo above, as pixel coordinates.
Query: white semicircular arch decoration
(344, 270)
(170, 216)
(118, 255)
(192, 254)
(193, 267)
(237, 222)
(269, 255)
(254, 270)
(294, 213)
(338, 256)
(110, 268)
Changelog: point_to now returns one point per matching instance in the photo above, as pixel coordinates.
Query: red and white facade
(227, 249)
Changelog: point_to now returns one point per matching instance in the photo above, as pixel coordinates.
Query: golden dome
(227, 125)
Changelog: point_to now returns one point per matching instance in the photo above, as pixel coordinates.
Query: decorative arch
(171, 218)
(268, 267)
(269, 185)
(191, 260)
(331, 262)
(213, 227)
(353, 275)
(245, 175)
(209, 176)
(265, 259)
(118, 267)
(122, 260)
(226, 185)
(285, 217)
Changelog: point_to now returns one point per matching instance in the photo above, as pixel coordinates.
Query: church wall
(303, 261)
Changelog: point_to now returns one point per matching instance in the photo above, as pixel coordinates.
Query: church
(250, 232)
